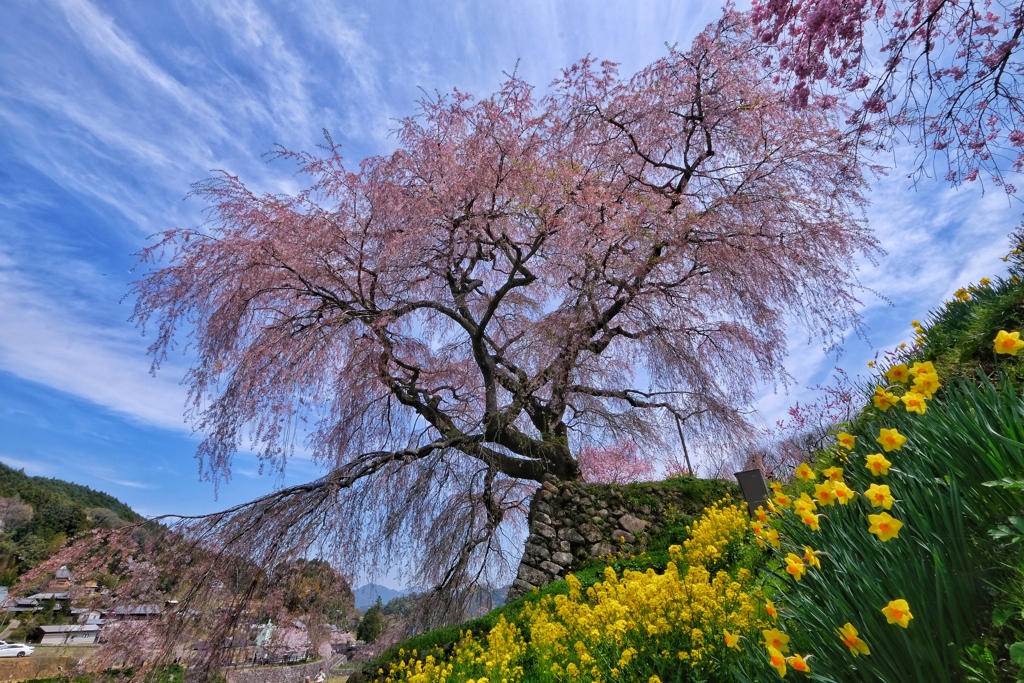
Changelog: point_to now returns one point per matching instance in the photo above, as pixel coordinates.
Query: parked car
(15, 650)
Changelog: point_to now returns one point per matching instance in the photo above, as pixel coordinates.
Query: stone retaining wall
(295, 673)
(572, 522)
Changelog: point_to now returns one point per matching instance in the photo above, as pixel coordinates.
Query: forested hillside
(38, 515)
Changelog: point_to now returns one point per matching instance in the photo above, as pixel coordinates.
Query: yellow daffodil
(804, 504)
(897, 373)
(878, 464)
(915, 323)
(811, 557)
(890, 439)
(772, 536)
(926, 384)
(799, 663)
(732, 640)
(775, 486)
(769, 607)
(811, 520)
(844, 494)
(805, 473)
(898, 612)
(916, 403)
(757, 526)
(834, 474)
(777, 661)
(871, 363)
(903, 345)
(824, 493)
(1008, 342)
(961, 295)
(926, 368)
(879, 496)
(883, 400)
(782, 500)
(845, 440)
(984, 281)
(852, 640)
(773, 637)
(795, 566)
(771, 507)
(761, 514)
(885, 526)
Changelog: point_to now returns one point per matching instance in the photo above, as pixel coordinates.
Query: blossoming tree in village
(525, 276)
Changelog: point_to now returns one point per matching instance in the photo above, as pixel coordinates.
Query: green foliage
(958, 335)
(372, 624)
(46, 513)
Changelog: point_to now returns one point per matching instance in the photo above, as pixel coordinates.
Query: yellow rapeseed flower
(852, 640)
(898, 612)
(878, 464)
(1008, 343)
(885, 526)
(891, 439)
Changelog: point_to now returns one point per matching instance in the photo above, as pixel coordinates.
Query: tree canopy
(524, 276)
(946, 74)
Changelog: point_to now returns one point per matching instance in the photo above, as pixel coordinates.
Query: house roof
(62, 573)
(72, 628)
(134, 610)
(46, 596)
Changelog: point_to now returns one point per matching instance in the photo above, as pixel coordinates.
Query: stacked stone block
(573, 522)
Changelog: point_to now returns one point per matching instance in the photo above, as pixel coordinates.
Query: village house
(61, 581)
(73, 634)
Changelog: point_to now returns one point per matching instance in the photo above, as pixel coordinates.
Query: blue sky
(109, 111)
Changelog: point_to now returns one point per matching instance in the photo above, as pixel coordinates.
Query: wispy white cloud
(45, 341)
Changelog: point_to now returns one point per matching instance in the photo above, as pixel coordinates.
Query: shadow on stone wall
(574, 522)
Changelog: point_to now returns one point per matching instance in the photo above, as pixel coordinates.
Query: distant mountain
(367, 595)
